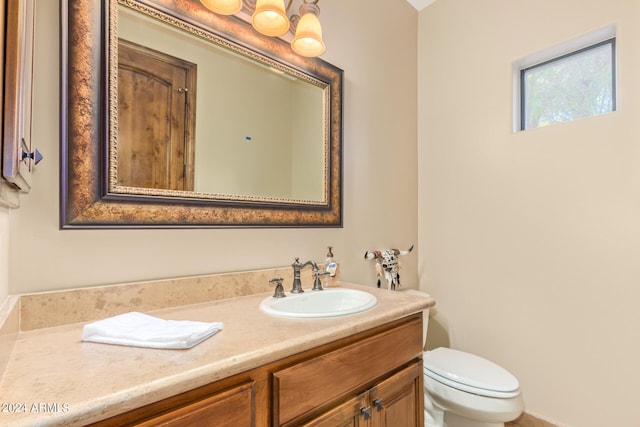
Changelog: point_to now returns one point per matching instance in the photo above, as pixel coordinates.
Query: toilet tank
(425, 313)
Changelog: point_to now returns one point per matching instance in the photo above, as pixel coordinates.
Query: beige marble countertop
(53, 378)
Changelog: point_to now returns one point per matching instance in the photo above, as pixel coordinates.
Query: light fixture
(308, 38)
(269, 17)
(223, 7)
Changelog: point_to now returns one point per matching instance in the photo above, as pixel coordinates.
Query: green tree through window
(580, 84)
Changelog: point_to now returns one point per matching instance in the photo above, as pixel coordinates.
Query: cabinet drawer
(230, 408)
(308, 385)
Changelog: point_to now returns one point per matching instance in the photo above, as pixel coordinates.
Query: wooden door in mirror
(160, 90)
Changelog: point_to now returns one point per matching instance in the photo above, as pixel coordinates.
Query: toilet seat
(469, 373)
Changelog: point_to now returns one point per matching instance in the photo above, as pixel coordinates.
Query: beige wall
(380, 175)
(530, 241)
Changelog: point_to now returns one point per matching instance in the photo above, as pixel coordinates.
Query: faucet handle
(279, 291)
(317, 284)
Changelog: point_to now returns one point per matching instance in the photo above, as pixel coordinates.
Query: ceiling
(420, 4)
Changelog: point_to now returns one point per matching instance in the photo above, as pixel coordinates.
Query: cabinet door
(353, 413)
(396, 401)
(18, 155)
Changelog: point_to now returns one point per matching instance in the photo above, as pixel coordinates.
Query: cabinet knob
(378, 404)
(365, 411)
(35, 154)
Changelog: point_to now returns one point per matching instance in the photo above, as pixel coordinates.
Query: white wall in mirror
(259, 131)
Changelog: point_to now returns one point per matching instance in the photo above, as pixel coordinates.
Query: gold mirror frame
(86, 202)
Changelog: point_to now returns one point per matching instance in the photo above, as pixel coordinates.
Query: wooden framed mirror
(281, 167)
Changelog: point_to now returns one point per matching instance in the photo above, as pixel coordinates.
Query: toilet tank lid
(470, 370)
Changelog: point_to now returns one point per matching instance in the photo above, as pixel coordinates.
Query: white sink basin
(330, 302)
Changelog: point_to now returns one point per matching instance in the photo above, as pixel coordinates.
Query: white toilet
(464, 390)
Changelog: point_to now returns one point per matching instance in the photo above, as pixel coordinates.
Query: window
(568, 87)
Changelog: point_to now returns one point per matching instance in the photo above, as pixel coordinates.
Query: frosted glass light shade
(223, 7)
(308, 39)
(270, 18)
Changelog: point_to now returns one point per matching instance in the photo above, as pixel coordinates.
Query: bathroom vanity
(260, 370)
(374, 375)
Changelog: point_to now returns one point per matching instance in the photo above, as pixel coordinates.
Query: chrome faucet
(297, 267)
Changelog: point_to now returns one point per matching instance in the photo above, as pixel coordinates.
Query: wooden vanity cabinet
(373, 378)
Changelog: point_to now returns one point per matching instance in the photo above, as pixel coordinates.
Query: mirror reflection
(197, 120)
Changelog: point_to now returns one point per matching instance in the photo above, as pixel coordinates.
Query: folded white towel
(141, 330)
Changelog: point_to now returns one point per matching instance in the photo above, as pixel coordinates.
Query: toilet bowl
(468, 391)
(465, 390)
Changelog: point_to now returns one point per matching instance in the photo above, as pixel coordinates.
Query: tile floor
(526, 420)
